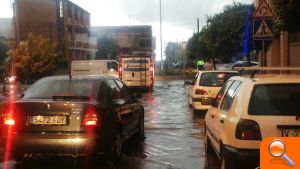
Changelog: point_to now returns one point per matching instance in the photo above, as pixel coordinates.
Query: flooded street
(174, 135)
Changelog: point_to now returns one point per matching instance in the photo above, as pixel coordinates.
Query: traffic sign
(263, 10)
(262, 29)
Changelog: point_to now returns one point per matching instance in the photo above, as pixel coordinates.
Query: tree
(107, 48)
(225, 35)
(286, 15)
(192, 47)
(34, 58)
(173, 53)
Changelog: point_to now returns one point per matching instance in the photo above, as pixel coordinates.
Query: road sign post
(262, 26)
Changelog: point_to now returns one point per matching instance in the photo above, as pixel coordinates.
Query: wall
(295, 54)
(273, 54)
(38, 17)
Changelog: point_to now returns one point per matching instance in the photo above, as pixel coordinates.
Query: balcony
(83, 46)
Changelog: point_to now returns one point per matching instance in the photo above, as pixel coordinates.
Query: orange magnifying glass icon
(277, 149)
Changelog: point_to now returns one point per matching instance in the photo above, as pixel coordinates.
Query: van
(94, 67)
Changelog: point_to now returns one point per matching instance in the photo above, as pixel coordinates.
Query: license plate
(290, 133)
(206, 101)
(48, 120)
(289, 130)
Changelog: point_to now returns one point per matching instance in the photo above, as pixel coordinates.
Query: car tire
(116, 152)
(208, 152)
(208, 146)
(141, 127)
(226, 162)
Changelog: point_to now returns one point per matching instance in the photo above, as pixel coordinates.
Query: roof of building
(122, 29)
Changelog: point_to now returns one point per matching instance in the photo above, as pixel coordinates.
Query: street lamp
(161, 53)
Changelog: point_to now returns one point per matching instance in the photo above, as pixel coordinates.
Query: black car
(77, 116)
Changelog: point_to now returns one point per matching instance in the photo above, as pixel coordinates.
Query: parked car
(231, 66)
(205, 87)
(247, 110)
(84, 115)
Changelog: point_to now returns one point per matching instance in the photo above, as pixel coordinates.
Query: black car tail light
(8, 118)
(9, 121)
(248, 130)
(90, 117)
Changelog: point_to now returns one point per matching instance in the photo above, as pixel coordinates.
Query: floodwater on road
(174, 135)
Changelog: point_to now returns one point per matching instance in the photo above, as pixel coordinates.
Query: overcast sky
(178, 16)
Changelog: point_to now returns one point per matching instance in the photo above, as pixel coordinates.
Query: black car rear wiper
(71, 97)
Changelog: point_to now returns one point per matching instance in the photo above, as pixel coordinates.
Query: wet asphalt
(174, 136)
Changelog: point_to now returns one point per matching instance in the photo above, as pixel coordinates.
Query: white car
(205, 87)
(247, 110)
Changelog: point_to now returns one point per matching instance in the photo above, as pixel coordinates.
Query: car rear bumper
(199, 106)
(59, 145)
(246, 158)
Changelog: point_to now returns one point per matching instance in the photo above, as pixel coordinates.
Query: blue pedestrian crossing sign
(262, 29)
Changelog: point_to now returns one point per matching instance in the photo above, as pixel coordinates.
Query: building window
(81, 17)
(61, 9)
(142, 43)
(76, 13)
(69, 10)
(145, 43)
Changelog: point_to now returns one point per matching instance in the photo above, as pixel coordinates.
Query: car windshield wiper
(71, 97)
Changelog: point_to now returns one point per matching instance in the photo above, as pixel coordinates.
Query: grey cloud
(182, 13)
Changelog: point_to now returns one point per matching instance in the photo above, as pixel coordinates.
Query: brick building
(59, 20)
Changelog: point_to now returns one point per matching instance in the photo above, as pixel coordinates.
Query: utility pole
(198, 29)
(161, 53)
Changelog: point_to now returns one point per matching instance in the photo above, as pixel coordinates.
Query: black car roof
(91, 77)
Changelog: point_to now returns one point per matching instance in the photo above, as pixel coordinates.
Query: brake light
(9, 121)
(248, 130)
(90, 117)
(151, 69)
(200, 92)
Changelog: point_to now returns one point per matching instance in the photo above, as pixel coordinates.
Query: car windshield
(49, 88)
(215, 79)
(275, 99)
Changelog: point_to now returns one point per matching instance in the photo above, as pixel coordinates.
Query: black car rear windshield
(275, 99)
(215, 79)
(50, 88)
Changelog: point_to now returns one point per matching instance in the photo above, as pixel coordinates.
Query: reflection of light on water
(152, 116)
(150, 113)
(10, 113)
